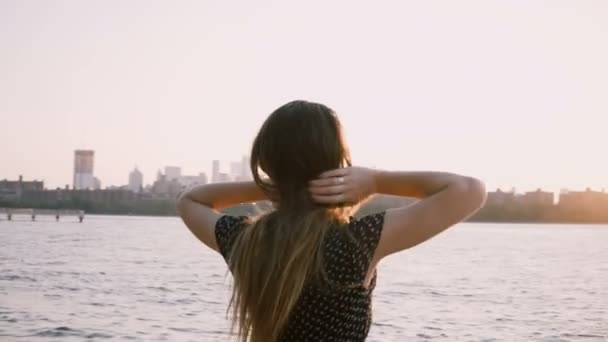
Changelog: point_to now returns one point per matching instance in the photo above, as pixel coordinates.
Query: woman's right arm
(445, 199)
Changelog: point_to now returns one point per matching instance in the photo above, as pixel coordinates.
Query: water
(135, 278)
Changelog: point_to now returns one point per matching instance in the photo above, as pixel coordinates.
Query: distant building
(12, 190)
(215, 173)
(246, 169)
(584, 205)
(189, 181)
(173, 182)
(166, 188)
(587, 199)
(223, 177)
(236, 170)
(241, 170)
(118, 187)
(83, 170)
(500, 198)
(136, 180)
(96, 183)
(173, 172)
(537, 198)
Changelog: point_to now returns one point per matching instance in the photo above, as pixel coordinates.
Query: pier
(33, 213)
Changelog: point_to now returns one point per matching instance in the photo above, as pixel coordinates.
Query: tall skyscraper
(136, 180)
(83, 170)
(215, 173)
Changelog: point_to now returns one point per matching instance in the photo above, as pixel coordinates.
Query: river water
(149, 279)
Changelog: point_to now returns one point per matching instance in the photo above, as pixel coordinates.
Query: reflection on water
(150, 279)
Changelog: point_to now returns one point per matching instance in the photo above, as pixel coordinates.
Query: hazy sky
(513, 92)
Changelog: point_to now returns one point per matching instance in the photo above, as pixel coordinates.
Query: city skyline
(159, 199)
(513, 93)
(135, 176)
(173, 172)
(244, 174)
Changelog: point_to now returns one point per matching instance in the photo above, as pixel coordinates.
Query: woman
(305, 271)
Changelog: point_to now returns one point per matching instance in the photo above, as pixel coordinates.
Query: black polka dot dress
(339, 312)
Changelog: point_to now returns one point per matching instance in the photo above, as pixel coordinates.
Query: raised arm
(200, 206)
(445, 199)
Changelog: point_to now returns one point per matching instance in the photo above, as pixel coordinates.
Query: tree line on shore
(137, 205)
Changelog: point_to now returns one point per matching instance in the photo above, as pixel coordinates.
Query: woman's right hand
(344, 185)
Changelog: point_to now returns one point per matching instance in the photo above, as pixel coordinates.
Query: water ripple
(148, 279)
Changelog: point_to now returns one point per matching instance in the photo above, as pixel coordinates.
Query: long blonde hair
(274, 257)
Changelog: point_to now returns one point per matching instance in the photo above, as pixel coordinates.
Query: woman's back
(301, 162)
(339, 309)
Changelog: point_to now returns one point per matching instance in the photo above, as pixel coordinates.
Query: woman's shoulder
(367, 225)
(227, 228)
(366, 230)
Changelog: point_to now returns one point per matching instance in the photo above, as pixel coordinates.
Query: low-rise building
(13, 189)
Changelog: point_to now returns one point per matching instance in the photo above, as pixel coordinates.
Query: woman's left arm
(200, 206)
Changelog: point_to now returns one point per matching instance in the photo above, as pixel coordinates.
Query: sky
(512, 92)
